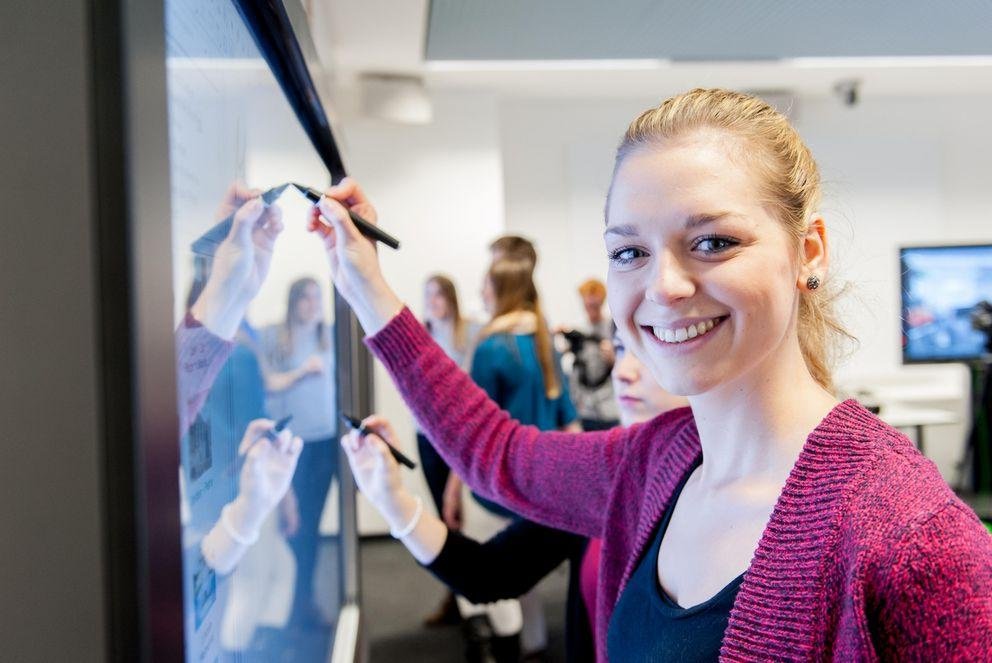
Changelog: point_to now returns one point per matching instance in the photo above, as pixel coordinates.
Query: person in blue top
(516, 364)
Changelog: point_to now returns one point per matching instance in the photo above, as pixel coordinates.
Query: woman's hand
(240, 264)
(376, 471)
(378, 477)
(354, 262)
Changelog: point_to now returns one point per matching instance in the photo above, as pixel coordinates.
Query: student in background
(457, 335)
(513, 247)
(298, 364)
(517, 558)
(516, 364)
(592, 361)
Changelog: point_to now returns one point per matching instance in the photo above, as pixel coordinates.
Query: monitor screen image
(262, 562)
(941, 285)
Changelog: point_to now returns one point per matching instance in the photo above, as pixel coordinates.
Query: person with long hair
(767, 521)
(457, 335)
(297, 358)
(516, 364)
(515, 560)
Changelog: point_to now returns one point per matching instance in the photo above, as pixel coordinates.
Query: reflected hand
(353, 258)
(236, 195)
(376, 472)
(267, 471)
(313, 364)
(240, 266)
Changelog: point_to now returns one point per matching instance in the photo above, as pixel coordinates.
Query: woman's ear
(814, 258)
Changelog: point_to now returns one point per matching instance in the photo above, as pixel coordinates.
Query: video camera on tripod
(590, 373)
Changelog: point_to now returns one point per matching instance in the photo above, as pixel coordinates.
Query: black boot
(478, 640)
(506, 648)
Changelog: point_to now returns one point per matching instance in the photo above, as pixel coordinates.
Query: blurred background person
(513, 247)
(457, 335)
(516, 364)
(298, 365)
(592, 358)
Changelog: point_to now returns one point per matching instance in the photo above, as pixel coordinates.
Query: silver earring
(813, 282)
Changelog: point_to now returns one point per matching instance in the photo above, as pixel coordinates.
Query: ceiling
(562, 48)
(705, 29)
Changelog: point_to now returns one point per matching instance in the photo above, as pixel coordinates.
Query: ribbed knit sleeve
(935, 598)
(559, 479)
(200, 355)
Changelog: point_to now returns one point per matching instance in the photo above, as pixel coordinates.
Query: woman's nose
(669, 282)
(626, 370)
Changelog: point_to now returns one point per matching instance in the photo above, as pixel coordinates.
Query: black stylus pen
(356, 424)
(368, 229)
(273, 433)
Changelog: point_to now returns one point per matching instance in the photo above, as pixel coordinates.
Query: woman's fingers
(335, 213)
(380, 426)
(245, 218)
(255, 430)
(349, 193)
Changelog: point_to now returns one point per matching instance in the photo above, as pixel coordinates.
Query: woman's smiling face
(703, 277)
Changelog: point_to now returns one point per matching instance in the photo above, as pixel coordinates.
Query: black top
(511, 563)
(647, 625)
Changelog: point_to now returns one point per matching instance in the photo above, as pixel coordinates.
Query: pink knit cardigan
(868, 554)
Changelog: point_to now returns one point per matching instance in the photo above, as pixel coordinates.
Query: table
(902, 416)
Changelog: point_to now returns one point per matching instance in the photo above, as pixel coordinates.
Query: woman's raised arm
(559, 479)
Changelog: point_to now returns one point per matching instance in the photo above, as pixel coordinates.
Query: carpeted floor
(397, 594)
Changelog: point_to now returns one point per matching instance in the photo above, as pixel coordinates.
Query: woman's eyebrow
(696, 220)
(624, 230)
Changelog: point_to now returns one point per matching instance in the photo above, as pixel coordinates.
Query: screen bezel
(903, 326)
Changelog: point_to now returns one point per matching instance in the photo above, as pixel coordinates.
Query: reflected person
(204, 338)
(297, 358)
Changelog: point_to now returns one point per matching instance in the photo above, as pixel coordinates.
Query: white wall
(896, 171)
(438, 189)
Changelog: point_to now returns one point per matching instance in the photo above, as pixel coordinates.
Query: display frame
(903, 285)
(140, 445)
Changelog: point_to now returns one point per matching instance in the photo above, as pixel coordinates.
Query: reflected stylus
(356, 424)
(370, 230)
(272, 435)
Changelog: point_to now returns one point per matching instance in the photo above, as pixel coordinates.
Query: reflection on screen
(261, 562)
(941, 286)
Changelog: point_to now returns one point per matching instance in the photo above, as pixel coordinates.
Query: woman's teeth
(684, 333)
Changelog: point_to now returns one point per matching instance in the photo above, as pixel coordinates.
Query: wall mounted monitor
(941, 285)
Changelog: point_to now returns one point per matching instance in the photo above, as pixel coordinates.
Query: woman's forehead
(680, 179)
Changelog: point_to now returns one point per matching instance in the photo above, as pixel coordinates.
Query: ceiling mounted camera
(848, 91)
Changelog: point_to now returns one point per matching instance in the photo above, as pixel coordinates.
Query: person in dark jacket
(517, 558)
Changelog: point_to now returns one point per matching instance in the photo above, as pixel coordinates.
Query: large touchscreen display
(261, 554)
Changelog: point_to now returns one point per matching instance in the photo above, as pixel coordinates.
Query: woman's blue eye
(713, 244)
(625, 255)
